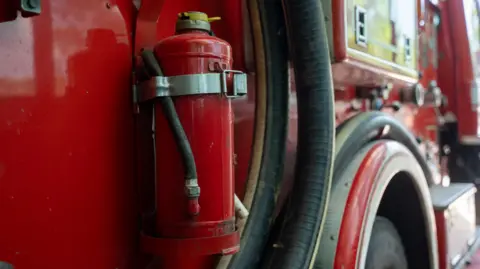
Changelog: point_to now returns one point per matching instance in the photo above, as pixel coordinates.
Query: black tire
(385, 250)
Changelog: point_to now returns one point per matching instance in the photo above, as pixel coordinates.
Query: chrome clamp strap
(209, 83)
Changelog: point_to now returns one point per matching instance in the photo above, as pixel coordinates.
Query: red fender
(355, 200)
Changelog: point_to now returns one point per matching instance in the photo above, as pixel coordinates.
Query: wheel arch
(375, 181)
(396, 209)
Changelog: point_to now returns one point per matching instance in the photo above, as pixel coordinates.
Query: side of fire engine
(239, 134)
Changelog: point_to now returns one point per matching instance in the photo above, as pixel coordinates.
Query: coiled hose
(305, 212)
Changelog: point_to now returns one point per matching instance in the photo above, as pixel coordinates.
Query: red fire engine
(278, 134)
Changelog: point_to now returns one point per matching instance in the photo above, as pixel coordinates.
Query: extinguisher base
(224, 245)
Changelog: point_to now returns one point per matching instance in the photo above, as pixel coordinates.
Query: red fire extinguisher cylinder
(197, 209)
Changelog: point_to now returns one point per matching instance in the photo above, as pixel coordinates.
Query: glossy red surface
(189, 251)
(357, 204)
(66, 129)
(66, 138)
(446, 62)
(354, 72)
(338, 19)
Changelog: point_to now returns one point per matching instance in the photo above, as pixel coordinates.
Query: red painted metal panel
(66, 138)
(442, 239)
(446, 78)
(461, 71)
(339, 30)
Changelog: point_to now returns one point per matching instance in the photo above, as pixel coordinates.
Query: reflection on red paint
(66, 158)
(356, 207)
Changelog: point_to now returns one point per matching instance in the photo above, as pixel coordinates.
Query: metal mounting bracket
(194, 84)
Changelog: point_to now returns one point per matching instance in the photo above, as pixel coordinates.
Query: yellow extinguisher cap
(194, 20)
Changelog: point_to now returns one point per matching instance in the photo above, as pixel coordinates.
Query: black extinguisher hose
(305, 215)
(181, 140)
(180, 137)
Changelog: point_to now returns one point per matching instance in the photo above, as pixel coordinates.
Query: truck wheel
(385, 250)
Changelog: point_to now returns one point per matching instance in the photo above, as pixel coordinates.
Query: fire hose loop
(302, 228)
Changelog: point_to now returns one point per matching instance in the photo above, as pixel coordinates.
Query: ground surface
(475, 263)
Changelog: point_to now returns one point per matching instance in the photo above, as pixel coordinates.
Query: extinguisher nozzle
(193, 207)
(192, 190)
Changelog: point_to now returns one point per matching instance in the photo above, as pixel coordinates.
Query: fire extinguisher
(191, 87)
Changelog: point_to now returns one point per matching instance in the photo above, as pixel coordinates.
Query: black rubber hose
(256, 231)
(180, 137)
(306, 210)
(363, 128)
(261, 216)
(181, 140)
